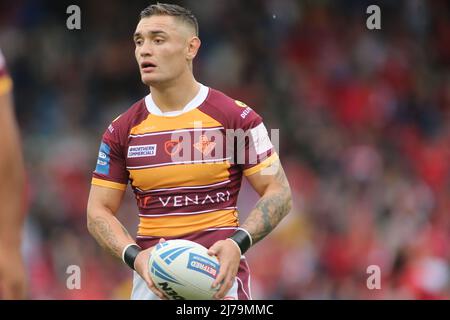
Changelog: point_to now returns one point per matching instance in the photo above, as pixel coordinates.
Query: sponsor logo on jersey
(246, 112)
(203, 265)
(143, 200)
(180, 201)
(204, 145)
(140, 151)
(171, 147)
(103, 159)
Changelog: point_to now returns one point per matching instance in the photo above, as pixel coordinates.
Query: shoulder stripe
(5, 84)
(264, 164)
(108, 184)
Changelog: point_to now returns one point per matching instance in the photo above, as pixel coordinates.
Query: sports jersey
(180, 167)
(5, 80)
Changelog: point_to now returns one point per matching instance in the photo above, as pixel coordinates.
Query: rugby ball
(183, 270)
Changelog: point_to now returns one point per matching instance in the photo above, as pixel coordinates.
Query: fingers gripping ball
(183, 270)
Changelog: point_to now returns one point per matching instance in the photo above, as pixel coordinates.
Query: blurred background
(364, 119)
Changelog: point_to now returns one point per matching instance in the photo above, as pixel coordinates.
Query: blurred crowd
(364, 119)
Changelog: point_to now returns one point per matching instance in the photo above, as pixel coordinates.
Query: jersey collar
(194, 103)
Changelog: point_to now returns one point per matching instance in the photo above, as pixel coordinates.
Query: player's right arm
(107, 190)
(102, 223)
(103, 203)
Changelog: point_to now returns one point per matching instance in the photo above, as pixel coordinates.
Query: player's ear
(193, 46)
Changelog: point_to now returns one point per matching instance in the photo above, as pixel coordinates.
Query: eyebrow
(151, 33)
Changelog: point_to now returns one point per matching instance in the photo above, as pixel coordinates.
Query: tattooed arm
(274, 204)
(102, 206)
(103, 225)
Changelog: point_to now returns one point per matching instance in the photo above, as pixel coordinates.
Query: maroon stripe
(192, 188)
(205, 238)
(185, 146)
(193, 146)
(179, 201)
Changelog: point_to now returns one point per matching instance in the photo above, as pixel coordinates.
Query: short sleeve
(254, 149)
(111, 170)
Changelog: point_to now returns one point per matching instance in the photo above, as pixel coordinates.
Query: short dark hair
(165, 9)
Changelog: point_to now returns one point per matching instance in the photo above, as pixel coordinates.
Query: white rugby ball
(184, 270)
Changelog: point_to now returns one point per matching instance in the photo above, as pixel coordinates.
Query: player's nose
(146, 49)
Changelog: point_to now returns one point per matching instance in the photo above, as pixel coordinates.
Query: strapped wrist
(243, 239)
(129, 254)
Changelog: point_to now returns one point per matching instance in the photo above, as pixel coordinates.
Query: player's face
(161, 49)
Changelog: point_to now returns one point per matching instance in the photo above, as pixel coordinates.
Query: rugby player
(186, 188)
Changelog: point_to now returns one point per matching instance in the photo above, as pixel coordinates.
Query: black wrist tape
(243, 240)
(130, 255)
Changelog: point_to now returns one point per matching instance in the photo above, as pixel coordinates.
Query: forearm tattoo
(100, 229)
(270, 209)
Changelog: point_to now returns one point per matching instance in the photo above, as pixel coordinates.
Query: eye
(158, 41)
(138, 42)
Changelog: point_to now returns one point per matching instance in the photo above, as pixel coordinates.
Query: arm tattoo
(125, 231)
(101, 230)
(270, 209)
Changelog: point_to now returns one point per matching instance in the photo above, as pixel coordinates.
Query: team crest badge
(204, 145)
(240, 104)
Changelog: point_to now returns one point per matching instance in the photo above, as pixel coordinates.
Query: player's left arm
(275, 203)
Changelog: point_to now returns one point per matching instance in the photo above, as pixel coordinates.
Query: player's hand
(12, 275)
(229, 257)
(141, 267)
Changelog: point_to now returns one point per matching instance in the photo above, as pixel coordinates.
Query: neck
(175, 95)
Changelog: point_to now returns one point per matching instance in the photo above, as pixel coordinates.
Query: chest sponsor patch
(148, 150)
